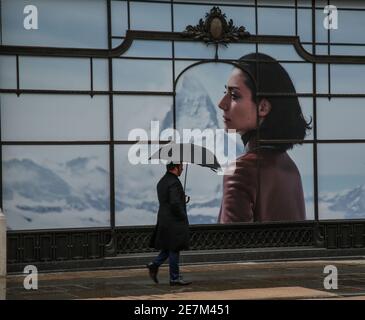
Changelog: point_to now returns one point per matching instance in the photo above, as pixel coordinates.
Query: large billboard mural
(157, 86)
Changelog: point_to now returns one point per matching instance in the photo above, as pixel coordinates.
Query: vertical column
(2, 245)
(314, 79)
(318, 236)
(2, 255)
(257, 99)
(110, 248)
(2, 218)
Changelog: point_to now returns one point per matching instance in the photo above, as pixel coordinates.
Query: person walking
(171, 234)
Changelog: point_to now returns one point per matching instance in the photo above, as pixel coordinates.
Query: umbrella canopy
(187, 153)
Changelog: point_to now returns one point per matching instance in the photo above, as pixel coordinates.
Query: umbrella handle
(187, 199)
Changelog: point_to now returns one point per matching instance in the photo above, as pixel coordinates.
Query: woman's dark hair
(285, 120)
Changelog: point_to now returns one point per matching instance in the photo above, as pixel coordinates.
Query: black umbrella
(187, 153)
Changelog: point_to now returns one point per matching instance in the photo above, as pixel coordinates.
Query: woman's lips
(226, 119)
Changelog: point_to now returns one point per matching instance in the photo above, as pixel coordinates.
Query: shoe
(153, 270)
(179, 282)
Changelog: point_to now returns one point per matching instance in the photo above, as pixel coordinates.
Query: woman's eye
(234, 96)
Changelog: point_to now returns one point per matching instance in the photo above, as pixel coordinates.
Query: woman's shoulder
(244, 165)
(269, 159)
(248, 161)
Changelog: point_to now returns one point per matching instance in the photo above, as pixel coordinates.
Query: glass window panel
(301, 75)
(54, 73)
(162, 49)
(198, 93)
(119, 12)
(46, 187)
(86, 25)
(142, 75)
(194, 50)
(280, 52)
(321, 32)
(302, 155)
(185, 15)
(276, 21)
(132, 112)
(322, 3)
(205, 190)
(341, 50)
(344, 78)
(100, 74)
(305, 3)
(321, 50)
(236, 50)
(8, 72)
(136, 200)
(241, 17)
(347, 50)
(350, 26)
(307, 108)
(116, 42)
(182, 65)
(276, 2)
(341, 181)
(220, 2)
(341, 118)
(54, 117)
(150, 16)
(308, 48)
(342, 4)
(305, 25)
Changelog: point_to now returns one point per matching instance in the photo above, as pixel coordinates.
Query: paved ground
(274, 280)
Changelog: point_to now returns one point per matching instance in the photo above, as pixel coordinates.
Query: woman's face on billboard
(238, 105)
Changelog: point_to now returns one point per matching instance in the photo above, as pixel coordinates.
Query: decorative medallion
(215, 29)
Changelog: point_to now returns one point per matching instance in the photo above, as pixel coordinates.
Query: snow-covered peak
(194, 107)
(352, 202)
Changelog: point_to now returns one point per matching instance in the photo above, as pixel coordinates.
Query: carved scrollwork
(215, 29)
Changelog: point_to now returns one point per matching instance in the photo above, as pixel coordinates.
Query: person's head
(175, 168)
(278, 117)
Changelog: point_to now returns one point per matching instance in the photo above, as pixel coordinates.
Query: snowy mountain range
(351, 203)
(75, 193)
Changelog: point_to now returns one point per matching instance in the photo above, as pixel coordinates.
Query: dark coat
(172, 229)
(281, 192)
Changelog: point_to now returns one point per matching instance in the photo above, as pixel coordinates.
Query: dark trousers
(173, 262)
